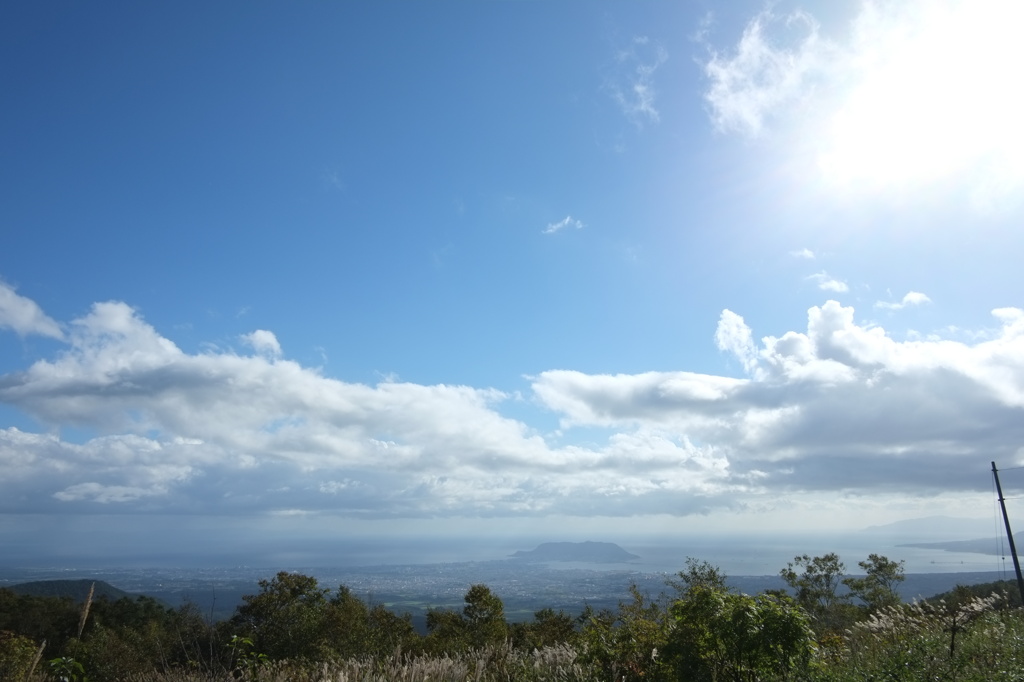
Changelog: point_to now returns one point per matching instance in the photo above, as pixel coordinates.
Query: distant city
(545, 576)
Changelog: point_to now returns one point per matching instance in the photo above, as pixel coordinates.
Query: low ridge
(78, 590)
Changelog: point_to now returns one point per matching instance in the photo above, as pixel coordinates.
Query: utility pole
(1009, 535)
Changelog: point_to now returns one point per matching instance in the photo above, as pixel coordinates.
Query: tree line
(826, 626)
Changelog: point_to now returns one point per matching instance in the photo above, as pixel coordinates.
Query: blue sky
(450, 266)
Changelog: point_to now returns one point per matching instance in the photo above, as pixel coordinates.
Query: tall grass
(85, 610)
(489, 664)
(967, 642)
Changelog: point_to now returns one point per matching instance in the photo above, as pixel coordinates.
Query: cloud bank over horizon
(840, 408)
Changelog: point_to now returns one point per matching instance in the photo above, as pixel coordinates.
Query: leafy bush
(17, 654)
(625, 645)
(720, 635)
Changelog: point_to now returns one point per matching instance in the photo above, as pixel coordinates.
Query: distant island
(587, 552)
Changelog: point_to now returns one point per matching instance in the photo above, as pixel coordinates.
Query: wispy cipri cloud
(631, 83)
(805, 254)
(763, 72)
(885, 103)
(23, 315)
(566, 222)
(826, 282)
(911, 298)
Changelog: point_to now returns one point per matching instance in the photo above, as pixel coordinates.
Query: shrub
(17, 655)
(719, 635)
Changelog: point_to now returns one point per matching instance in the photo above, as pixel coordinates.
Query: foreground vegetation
(827, 627)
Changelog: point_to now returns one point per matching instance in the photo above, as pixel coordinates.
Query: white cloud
(889, 105)
(292, 512)
(911, 298)
(24, 316)
(122, 468)
(568, 221)
(263, 342)
(220, 431)
(749, 85)
(836, 407)
(651, 397)
(632, 84)
(733, 335)
(334, 180)
(827, 283)
(105, 494)
(804, 253)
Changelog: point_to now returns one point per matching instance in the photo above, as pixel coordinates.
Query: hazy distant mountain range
(586, 552)
(936, 525)
(992, 546)
(966, 534)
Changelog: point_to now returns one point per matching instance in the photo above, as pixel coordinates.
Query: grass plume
(85, 610)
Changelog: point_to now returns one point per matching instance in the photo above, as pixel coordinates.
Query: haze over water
(737, 555)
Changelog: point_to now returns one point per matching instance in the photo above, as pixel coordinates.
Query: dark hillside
(966, 591)
(77, 590)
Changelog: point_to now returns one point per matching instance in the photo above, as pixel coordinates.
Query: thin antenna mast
(1009, 535)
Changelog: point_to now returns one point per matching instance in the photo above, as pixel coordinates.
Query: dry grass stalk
(35, 661)
(85, 610)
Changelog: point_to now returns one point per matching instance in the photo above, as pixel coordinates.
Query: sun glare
(933, 94)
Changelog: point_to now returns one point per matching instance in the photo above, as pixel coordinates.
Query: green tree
(817, 589)
(125, 637)
(129, 613)
(718, 635)
(698, 572)
(447, 632)
(193, 641)
(595, 639)
(53, 619)
(346, 624)
(548, 628)
(111, 654)
(485, 617)
(481, 623)
(287, 618)
(17, 654)
(879, 586)
(389, 632)
(625, 644)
